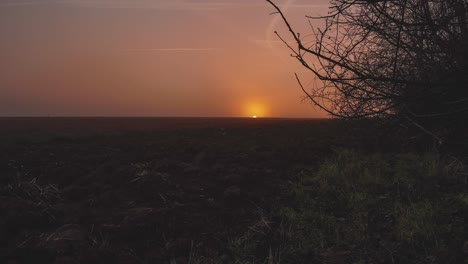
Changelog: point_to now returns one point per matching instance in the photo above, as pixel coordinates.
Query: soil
(144, 190)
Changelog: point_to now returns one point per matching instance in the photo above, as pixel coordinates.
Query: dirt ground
(142, 190)
(213, 190)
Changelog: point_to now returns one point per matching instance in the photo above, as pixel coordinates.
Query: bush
(406, 208)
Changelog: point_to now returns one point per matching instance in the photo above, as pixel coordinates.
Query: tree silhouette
(405, 61)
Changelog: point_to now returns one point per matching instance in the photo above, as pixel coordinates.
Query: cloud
(20, 3)
(169, 50)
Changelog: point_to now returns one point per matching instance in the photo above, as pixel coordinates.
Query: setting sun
(255, 110)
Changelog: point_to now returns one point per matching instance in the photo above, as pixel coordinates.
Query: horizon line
(136, 116)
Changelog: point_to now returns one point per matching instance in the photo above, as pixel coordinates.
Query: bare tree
(403, 60)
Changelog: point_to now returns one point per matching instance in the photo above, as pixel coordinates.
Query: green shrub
(360, 202)
(402, 208)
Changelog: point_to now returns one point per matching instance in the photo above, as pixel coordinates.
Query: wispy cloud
(168, 50)
(99, 52)
(20, 3)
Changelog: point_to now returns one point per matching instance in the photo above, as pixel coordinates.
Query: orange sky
(149, 58)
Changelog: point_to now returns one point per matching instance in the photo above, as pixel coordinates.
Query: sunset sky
(150, 58)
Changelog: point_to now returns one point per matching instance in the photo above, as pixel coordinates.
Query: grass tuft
(356, 208)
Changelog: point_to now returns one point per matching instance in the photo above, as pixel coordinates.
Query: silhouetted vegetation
(403, 62)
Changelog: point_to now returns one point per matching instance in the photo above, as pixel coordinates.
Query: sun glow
(255, 110)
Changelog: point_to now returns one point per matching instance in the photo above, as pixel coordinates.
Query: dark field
(211, 190)
(111, 126)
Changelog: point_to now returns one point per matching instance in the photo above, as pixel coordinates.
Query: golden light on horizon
(134, 63)
(255, 110)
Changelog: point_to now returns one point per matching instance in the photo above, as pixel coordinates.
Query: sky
(150, 58)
